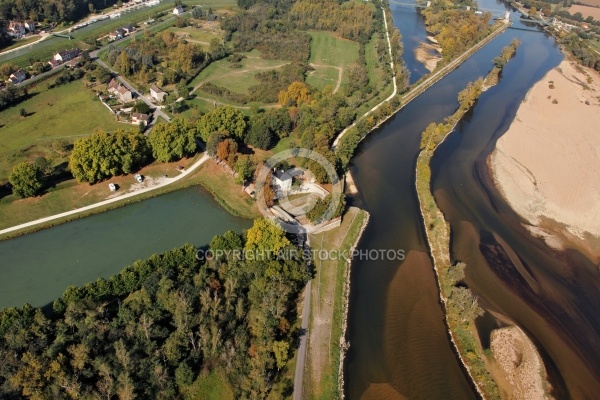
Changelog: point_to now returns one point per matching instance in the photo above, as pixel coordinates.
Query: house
(136, 118)
(157, 94)
(16, 29)
(124, 94)
(66, 55)
(113, 85)
(53, 63)
(18, 76)
(29, 25)
(178, 10)
(282, 181)
(121, 92)
(128, 29)
(117, 34)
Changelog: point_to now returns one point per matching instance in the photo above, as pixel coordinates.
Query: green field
(201, 36)
(236, 79)
(65, 112)
(328, 53)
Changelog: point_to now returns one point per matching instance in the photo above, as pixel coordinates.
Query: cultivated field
(63, 113)
(594, 3)
(586, 11)
(330, 55)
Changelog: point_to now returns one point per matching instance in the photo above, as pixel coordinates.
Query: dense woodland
(50, 10)
(455, 29)
(149, 331)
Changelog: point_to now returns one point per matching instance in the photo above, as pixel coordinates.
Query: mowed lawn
(65, 112)
(328, 51)
(237, 80)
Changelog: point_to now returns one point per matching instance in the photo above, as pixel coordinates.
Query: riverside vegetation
(170, 327)
(461, 306)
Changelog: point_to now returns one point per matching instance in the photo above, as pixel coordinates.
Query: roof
(282, 176)
(156, 89)
(128, 27)
(53, 62)
(140, 116)
(113, 84)
(68, 52)
(122, 90)
(19, 74)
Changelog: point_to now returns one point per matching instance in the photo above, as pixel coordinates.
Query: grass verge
(327, 322)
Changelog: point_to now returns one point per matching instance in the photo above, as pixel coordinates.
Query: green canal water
(37, 268)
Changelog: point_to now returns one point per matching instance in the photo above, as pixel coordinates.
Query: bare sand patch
(521, 366)
(546, 165)
(428, 54)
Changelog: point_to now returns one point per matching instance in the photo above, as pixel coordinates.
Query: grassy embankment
(70, 195)
(329, 307)
(459, 321)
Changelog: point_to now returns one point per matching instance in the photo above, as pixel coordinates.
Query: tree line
(56, 11)
(155, 329)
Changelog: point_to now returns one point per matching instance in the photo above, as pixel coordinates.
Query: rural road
(157, 111)
(391, 96)
(167, 181)
(300, 361)
(433, 78)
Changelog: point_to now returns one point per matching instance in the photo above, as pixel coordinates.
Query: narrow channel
(398, 343)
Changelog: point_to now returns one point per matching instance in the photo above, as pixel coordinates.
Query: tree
(103, 155)
(224, 119)
(317, 213)
(141, 107)
(244, 167)
(227, 151)
(172, 141)
(281, 350)
(213, 142)
(26, 179)
(22, 112)
(265, 236)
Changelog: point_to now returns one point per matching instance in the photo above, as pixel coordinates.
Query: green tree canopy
(26, 179)
(103, 155)
(172, 141)
(265, 236)
(224, 119)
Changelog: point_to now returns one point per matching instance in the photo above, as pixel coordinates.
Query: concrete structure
(66, 55)
(121, 92)
(136, 118)
(157, 94)
(18, 76)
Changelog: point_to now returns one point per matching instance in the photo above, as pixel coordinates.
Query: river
(402, 350)
(37, 268)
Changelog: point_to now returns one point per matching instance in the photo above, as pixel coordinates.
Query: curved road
(168, 181)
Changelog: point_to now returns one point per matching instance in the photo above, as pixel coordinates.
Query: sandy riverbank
(546, 165)
(429, 55)
(521, 367)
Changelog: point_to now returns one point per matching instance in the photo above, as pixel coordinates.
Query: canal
(399, 347)
(37, 268)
